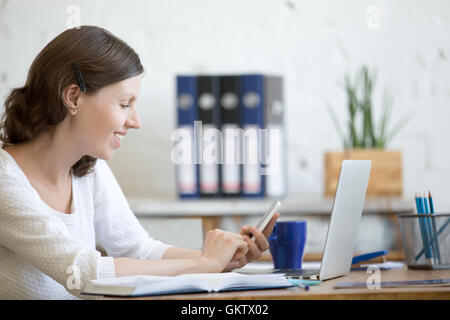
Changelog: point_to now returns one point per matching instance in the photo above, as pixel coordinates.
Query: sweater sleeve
(117, 229)
(43, 240)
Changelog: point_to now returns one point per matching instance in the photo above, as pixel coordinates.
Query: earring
(73, 110)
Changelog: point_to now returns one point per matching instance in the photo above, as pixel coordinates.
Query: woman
(58, 197)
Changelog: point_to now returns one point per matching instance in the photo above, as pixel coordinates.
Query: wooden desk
(325, 290)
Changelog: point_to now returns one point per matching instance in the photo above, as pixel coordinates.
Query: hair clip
(79, 76)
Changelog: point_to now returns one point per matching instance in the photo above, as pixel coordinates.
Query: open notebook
(143, 285)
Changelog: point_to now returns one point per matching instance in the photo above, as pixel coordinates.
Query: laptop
(342, 228)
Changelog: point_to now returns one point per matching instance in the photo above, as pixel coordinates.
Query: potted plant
(366, 140)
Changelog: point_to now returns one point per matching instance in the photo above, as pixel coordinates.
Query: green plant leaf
(360, 110)
(397, 128)
(385, 116)
(335, 121)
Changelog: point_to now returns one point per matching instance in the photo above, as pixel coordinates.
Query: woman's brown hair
(38, 106)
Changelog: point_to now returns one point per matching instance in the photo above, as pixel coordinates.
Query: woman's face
(104, 118)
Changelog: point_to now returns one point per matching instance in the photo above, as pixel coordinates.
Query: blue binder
(252, 121)
(231, 133)
(187, 171)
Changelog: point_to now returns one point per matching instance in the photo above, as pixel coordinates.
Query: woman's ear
(70, 97)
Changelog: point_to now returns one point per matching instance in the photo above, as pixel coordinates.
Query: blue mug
(287, 244)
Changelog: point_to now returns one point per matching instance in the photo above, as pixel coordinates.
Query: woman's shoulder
(104, 182)
(9, 170)
(100, 174)
(5, 159)
(15, 189)
(98, 170)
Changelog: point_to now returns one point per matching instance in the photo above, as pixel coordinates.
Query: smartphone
(262, 223)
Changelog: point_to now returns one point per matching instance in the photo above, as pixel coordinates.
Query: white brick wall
(312, 43)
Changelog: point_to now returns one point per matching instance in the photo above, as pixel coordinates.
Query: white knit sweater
(46, 254)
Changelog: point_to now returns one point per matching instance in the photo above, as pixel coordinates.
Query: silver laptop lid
(345, 218)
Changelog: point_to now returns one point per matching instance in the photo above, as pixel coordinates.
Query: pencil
(441, 229)
(429, 227)
(429, 230)
(423, 228)
(435, 234)
(430, 198)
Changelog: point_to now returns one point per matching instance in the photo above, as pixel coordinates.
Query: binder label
(275, 162)
(231, 158)
(251, 175)
(209, 169)
(182, 156)
(251, 99)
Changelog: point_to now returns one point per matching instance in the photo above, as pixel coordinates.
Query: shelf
(292, 205)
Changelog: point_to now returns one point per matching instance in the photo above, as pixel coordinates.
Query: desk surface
(325, 290)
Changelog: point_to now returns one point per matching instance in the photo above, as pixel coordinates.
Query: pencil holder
(426, 240)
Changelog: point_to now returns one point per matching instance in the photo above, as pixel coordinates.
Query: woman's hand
(256, 246)
(222, 249)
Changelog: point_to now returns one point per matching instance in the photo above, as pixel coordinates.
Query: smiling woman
(59, 198)
(39, 106)
(99, 121)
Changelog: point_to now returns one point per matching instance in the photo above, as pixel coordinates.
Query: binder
(209, 145)
(274, 144)
(252, 121)
(230, 168)
(184, 157)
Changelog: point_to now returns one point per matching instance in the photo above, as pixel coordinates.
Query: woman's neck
(48, 157)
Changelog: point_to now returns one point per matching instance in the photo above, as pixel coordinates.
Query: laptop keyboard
(298, 273)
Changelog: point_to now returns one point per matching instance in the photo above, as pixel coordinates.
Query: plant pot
(385, 175)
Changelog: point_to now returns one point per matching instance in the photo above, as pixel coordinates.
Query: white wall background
(312, 43)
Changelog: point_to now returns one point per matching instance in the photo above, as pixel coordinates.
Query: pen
(305, 284)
